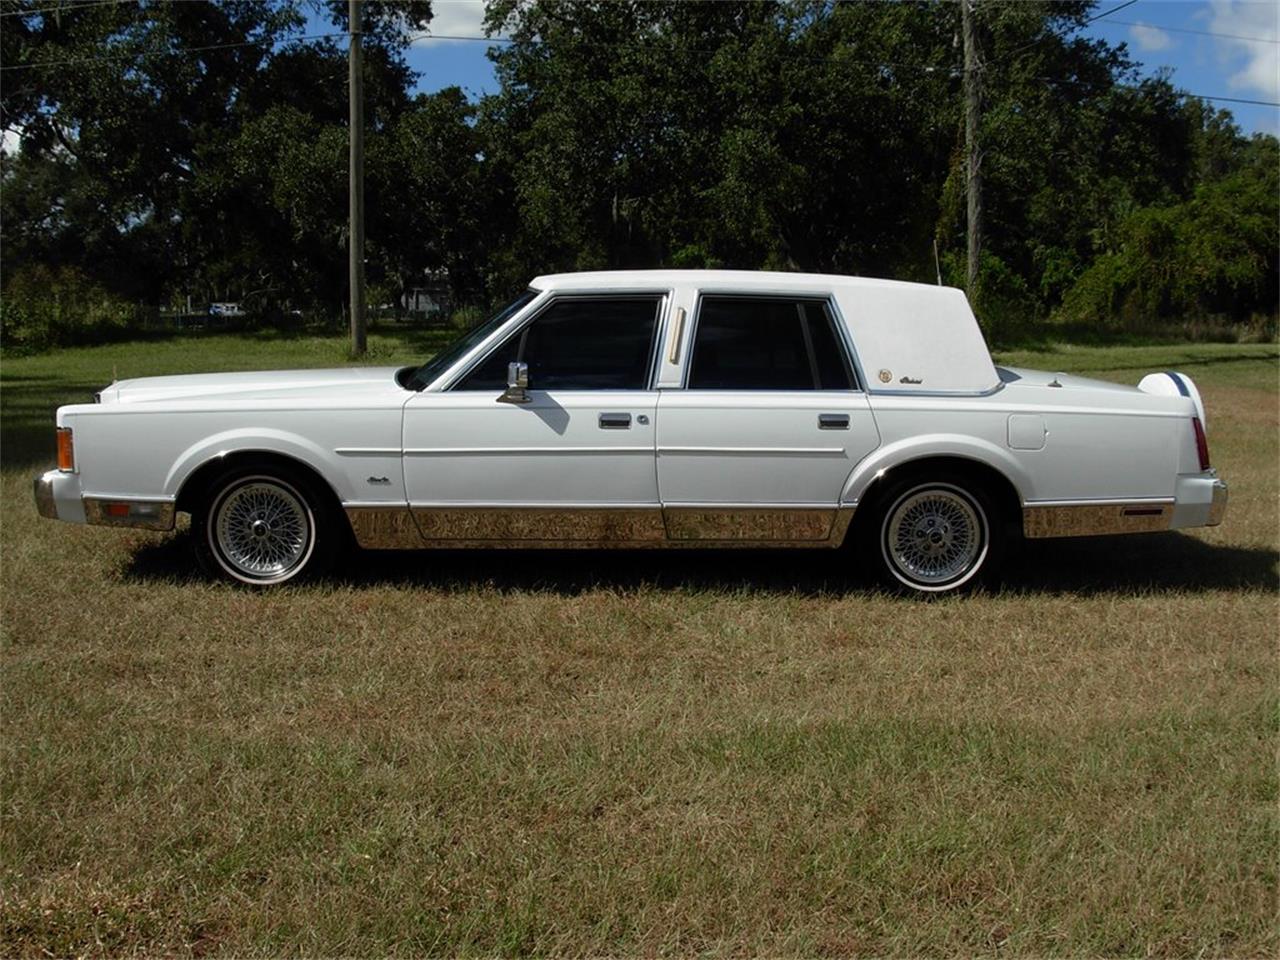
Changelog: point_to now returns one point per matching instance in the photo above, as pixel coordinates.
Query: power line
(169, 53)
(921, 67)
(1107, 13)
(446, 36)
(58, 8)
(1041, 39)
(1199, 33)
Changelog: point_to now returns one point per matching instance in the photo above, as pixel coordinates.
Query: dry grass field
(721, 754)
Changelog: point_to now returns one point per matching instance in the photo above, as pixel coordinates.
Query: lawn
(639, 753)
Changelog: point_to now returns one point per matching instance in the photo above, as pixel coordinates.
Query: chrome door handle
(615, 421)
(833, 421)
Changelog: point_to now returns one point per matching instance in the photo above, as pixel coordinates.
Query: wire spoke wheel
(934, 537)
(262, 530)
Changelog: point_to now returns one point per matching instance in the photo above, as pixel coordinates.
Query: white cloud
(1150, 38)
(453, 18)
(1255, 66)
(10, 141)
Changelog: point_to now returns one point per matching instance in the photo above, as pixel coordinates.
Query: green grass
(611, 753)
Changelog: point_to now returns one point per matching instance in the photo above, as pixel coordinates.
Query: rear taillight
(66, 450)
(1202, 443)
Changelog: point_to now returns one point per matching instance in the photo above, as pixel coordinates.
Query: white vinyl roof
(761, 280)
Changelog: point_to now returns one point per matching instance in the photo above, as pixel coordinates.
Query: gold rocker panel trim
(384, 528)
(159, 514)
(767, 525)
(394, 527)
(607, 524)
(1091, 520)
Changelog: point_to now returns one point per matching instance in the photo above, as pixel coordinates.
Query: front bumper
(59, 497)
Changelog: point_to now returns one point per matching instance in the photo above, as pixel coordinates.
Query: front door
(573, 465)
(768, 427)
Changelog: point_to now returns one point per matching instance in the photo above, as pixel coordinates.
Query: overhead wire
(1199, 33)
(926, 68)
(169, 53)
(57, 8)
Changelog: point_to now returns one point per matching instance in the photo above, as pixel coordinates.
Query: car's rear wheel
(264, 527)
(935, 535)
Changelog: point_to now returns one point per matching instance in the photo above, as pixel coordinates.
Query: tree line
(176, 150)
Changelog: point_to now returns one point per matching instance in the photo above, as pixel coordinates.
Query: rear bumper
(1200, 500)
(58, 497)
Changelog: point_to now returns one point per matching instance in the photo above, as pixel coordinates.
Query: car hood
(258, 385)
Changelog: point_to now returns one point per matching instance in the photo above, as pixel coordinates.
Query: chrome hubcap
(934, 536)
(263, 529)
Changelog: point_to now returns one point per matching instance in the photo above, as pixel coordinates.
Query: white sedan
(652, 409)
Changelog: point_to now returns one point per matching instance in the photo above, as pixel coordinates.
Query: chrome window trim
(527, 317)
(443, 381)
(850, 358)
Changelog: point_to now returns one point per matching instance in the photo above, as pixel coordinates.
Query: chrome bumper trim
(1218, 509)
(162, 519)
(45, 505)
(1093, 520)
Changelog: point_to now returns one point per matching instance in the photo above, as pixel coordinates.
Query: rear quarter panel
(1096, 446)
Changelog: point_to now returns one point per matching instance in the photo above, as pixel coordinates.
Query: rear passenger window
(767, 343)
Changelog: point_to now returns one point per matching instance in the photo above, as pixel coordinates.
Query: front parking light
(66, 450)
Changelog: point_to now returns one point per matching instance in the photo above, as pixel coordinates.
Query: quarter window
(578, 344)
(773, 343)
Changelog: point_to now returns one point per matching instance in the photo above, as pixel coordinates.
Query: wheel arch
(197, 482)
(1003, 478)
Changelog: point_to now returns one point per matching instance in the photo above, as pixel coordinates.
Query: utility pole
(973, 147)
(355, 177)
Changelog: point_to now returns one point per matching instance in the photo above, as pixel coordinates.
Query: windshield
(447, 357)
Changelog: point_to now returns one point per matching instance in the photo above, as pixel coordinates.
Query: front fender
(927, 446)
(256, 440)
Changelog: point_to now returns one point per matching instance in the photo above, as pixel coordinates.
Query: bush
(1211, 261)
(464, 318)
(42, 308)
(1005, 307)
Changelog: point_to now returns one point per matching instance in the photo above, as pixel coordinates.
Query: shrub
(464, 318)
(42, 307)
(1211, 260)
(1004, 305)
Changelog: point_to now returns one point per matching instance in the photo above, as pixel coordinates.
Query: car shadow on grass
(1167, 562)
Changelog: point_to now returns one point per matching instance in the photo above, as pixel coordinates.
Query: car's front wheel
(265, 527)
(936, 535)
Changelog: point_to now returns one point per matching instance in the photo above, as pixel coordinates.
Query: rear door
(770, 421)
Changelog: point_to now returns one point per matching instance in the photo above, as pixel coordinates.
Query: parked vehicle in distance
(652, 409)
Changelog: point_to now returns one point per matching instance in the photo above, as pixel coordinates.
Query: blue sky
(1245, 64)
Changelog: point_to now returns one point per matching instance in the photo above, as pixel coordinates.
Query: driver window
(578, 343)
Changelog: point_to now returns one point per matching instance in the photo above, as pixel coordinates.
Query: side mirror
(517, 384)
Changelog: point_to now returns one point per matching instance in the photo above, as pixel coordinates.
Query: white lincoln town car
(652, 409)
